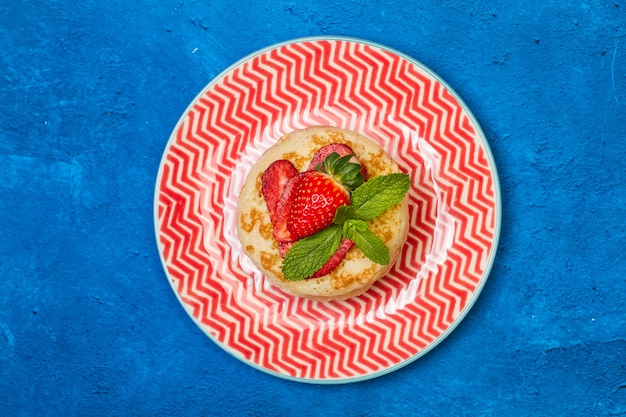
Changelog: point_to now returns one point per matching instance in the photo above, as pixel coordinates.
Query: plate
(454, 208)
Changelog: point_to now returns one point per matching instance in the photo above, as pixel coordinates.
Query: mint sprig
(368, 201)
(366, 240)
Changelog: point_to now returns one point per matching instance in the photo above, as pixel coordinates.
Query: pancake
(356, 273)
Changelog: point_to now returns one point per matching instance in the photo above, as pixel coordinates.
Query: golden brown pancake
(356, 273)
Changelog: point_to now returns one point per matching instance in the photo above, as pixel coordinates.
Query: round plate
(454, 208)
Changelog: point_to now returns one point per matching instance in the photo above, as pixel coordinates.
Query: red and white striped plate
(454, 208)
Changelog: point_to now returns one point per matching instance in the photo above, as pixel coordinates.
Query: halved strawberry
(317, 198)
(319, 193)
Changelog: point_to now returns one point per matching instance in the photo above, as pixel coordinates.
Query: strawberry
(275, 181)
(317, 198)
(283, 210)
(334, 260)
(318, 193)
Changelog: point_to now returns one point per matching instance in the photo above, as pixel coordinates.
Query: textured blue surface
(89, 94)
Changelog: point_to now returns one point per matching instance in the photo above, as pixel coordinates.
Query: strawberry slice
(283, 211)
(274, 181)
(334, 260)
(340, 149)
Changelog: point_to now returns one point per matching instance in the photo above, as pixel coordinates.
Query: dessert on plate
(323, 213)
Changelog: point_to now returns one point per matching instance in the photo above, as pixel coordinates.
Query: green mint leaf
(309, 254)
(370, 244)
(378, 195)
(352, 226)
(342, 214)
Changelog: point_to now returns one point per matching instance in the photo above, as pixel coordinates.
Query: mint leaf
(342, 214)
(370, 244)
(352, 226)
(378, 195)
(309, 254)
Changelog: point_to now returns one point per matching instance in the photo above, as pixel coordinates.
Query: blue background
(89, 94)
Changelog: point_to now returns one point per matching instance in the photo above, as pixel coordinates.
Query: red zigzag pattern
(453, 208)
